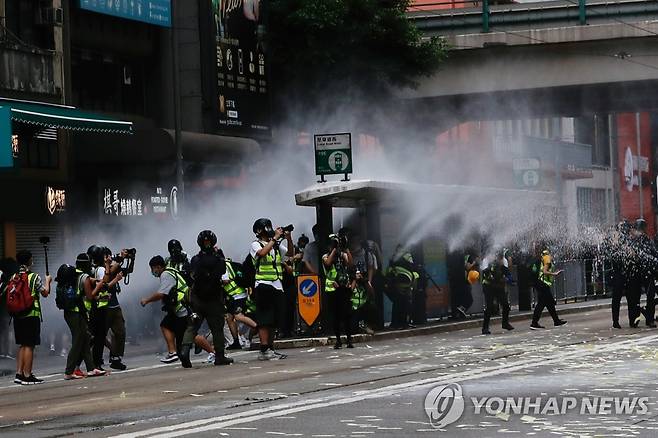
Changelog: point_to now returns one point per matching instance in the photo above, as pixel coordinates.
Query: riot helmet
(263, 225)
(640, 224)
(174, 247)
(206, 236)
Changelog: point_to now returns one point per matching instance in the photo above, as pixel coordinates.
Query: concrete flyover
(538, 59)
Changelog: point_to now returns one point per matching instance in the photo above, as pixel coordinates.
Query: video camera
(338, 241)
(127, 263)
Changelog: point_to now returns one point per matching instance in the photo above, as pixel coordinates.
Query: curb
(443, 327)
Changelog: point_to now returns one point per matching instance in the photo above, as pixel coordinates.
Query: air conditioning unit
(50, 16)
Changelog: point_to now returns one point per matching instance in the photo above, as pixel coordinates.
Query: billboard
(243, 104)
(121, 201)
(156, 12)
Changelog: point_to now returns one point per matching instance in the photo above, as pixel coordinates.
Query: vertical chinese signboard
(243, 105)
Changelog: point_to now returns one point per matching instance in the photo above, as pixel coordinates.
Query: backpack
(208, 271)
(248, 278)
(19, 295)
(66, 293)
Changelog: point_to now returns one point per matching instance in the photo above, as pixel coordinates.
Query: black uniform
(616, 248)
(493, 287)
(207, 298)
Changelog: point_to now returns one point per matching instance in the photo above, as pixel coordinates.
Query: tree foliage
(325, 53)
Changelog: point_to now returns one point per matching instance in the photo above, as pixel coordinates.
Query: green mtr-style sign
(333, 154)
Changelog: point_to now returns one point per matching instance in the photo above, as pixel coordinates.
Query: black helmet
(96, 254)
(174, 247)
(83, 263)
(206, 235)
(263, 224)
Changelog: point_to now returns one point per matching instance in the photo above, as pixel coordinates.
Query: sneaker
(33, 380)
(616, 325)
(536, 326)
(651, 324)
(64, 352)
(279, 355)
(246, 344)
(78, 372)
(560, 322)
(116, 364)
(170, 358)
(508, 326)
(235, 346)
(264, 355)
(223, 360)
(73, 377)
(52, 351)
(19, 379)
(96, 372)
(211, 358)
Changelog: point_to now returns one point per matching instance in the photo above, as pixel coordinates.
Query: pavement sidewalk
(445, 325)
(153, 347)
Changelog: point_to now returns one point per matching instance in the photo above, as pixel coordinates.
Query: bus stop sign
(333, 154)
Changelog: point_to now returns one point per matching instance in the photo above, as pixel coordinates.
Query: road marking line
(208, 424)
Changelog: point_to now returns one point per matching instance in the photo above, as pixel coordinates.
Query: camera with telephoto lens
(127, 263)
(338, 241)
(288, 228)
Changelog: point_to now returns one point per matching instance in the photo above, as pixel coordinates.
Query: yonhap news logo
(445, 404)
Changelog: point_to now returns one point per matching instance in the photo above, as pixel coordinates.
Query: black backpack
(248, 270)
(66, 293)
(208, 271)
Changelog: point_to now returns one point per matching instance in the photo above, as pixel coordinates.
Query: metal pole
(582, 15)
(177, 112)
(639, 169)
(609, 196)
(485, 15)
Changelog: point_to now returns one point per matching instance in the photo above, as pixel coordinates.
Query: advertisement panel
(243, 104)
(156, 12)
(125, 201)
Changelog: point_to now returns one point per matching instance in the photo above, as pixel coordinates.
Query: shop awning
(63, 117)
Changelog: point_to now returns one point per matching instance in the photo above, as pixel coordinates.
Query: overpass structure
(565, 57)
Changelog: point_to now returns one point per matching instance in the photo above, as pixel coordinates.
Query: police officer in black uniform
(207, 298)
(617, 247)
(645, 267)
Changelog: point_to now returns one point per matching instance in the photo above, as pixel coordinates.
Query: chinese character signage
(333, 154)
(243, 105)
(55, 200)
(156, 12)
(121, 201)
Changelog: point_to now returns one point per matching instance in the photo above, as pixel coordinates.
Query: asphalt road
(376, 389)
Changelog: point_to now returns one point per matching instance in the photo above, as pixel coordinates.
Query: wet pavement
(377, 389)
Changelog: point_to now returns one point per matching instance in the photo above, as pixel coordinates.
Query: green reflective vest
(103, 295)
(330, 278)
(182, 290)
(232, 289)
(269, 268)
(546, 279)
(80, 289)
(359, 297)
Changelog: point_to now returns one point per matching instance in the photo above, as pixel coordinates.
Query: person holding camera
(207, 298)
(267, 253)
(101, 259)
(76, 318)
(337, 264)
(115, 322)
(178, 259)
